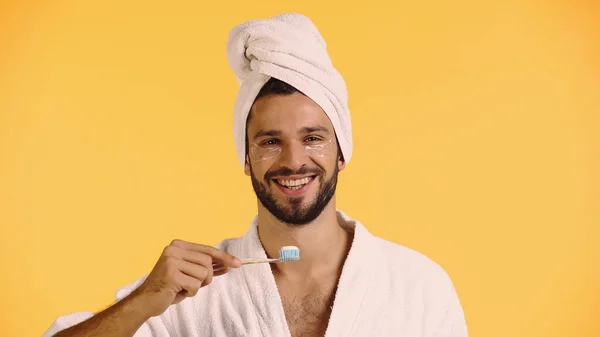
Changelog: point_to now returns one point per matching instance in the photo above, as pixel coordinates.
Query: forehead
(287, 113)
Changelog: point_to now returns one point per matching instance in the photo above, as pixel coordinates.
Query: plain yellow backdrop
(476, 136)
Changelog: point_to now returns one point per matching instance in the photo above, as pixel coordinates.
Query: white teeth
(294, 184)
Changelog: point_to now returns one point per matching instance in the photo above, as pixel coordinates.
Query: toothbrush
(286, 254)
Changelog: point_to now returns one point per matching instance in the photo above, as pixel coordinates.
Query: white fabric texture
(290, 48)
(385, 289)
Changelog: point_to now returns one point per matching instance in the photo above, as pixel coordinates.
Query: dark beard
(295, 214)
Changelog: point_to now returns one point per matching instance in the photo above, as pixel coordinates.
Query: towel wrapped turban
(290, 48)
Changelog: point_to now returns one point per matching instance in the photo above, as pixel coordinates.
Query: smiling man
(291, 146)
(293, 137)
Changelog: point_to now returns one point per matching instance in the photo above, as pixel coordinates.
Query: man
(293, 137)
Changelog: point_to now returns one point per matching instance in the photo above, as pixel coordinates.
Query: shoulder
(429, 284)
(229, 245)
(412, 264)
(405, 266)
(402, 256)
(425, 284)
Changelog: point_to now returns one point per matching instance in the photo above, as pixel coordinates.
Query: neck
(323, 243)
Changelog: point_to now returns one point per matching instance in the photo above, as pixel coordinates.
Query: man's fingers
(202, 259)
(190, 284)
(220, 270)
(226, 259)
(203, 274)
(197, 258)
(217, 255)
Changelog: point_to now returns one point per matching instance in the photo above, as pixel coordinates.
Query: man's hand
(182, 269)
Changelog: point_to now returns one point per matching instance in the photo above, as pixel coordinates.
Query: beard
(293, 213)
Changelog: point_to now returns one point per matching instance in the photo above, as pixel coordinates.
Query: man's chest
(307, 315)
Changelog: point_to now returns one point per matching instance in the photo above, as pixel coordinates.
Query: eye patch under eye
(258, 152)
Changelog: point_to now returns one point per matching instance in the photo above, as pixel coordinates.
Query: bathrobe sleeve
(151, 328)
(446, 317)
(154, 327)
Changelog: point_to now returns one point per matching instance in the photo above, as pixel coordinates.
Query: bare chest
(308, 315)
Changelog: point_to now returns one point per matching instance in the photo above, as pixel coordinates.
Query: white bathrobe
(385, 290)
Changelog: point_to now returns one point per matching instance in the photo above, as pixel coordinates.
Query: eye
(270, 142)
(312, 139)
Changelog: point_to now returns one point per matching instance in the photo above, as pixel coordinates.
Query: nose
(293, 156)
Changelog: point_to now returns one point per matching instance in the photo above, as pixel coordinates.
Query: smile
(293, 186)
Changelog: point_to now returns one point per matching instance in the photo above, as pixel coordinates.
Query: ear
(341, 163)
(247, 167)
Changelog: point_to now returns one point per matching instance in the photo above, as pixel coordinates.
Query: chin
(298, 208)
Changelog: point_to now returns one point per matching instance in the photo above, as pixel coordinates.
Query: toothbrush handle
(259, 261)
(218, 266)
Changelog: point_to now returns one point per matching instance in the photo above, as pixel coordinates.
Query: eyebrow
(311, 129)
(266, 133)
(304, 130)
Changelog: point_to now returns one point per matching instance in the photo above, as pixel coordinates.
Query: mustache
(286, 171)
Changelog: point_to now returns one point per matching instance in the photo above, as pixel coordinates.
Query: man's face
(293, 157)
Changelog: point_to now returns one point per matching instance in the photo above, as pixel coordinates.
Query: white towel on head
(290, 48)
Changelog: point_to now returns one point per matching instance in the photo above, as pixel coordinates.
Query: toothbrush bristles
(287, 254)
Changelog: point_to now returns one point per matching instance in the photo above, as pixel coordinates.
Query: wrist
(135, 307)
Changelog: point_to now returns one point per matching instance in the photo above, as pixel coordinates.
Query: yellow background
(476, 128)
